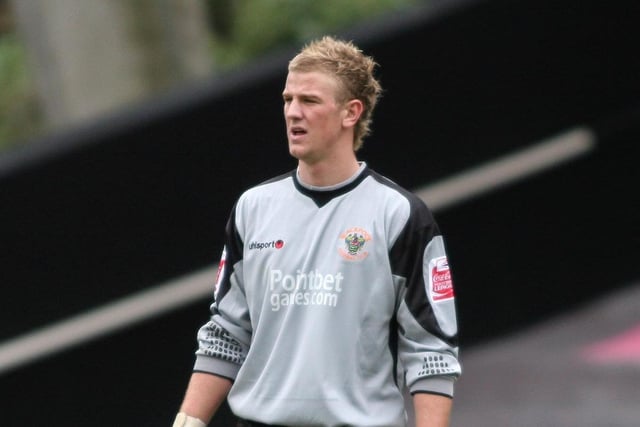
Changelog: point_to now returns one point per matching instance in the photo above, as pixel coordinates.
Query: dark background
(117, 206)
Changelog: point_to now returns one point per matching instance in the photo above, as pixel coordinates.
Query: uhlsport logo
(352, 244)
(274, 244)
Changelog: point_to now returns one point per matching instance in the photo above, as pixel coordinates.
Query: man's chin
(302, 154)
(296, 152)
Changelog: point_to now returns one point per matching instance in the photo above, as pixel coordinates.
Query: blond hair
(353, 70)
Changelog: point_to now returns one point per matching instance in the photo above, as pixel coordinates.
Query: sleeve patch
(441, 285)
(220, 274)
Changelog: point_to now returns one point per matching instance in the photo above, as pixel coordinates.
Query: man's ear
(353, 110)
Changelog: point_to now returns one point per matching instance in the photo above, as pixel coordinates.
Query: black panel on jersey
(406, 261)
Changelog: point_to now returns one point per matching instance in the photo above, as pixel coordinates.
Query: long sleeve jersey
(328, 302)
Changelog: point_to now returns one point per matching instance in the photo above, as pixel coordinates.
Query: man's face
(314, 119)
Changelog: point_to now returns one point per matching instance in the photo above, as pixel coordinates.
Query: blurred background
(128, 128)
(68, 61)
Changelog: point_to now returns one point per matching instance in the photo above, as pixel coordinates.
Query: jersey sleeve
(224, 340)
(427, 324)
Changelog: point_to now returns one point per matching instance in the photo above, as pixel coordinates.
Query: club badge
(352, 244)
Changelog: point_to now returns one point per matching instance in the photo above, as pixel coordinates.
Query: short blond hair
(352, 68)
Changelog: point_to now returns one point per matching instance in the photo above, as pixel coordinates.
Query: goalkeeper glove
(184, 420)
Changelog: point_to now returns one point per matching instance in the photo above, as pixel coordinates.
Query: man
(334, 290)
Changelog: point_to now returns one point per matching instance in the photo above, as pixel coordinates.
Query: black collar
(322, 197)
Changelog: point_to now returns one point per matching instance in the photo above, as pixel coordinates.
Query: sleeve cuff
(434, 385)
(216, 366)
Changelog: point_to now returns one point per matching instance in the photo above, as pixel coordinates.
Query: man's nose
(293, 109)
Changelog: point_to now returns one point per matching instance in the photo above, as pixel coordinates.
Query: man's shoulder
(391, 184)
(276, 179)
(268, 186)
(413, 200)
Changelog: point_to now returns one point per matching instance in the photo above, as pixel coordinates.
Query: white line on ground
(508, 169)
(111, 317)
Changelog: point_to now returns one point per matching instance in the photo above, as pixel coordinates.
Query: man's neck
(327, 173)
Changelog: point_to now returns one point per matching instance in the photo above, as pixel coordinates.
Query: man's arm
(205, 393)
(432, 410)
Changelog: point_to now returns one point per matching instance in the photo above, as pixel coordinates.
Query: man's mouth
(298, 131)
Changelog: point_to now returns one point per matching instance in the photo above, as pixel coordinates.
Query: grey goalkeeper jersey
(328, 302)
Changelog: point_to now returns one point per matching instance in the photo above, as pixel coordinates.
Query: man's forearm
(204, 395)
(432, 410)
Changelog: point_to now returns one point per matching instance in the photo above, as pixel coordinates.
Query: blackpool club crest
(352, 244)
